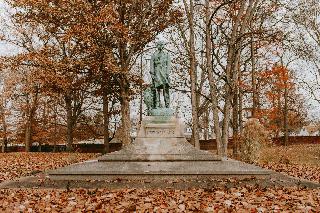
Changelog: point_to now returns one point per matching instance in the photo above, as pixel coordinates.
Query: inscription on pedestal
(160, 132)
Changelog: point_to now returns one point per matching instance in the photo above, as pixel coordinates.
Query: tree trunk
(4, 145)
(236, 105)
(141, 90)
(106, 123)
(230, 81)
(279, 121)
(70, 123)
(55, 137)
(286, 132)
(5, 133)
(193, 75)
(225, 127)
(254, 80)
(212, 82)
(31, 113)
(235, 124)
(240, 112)
(240, 24)
(206, 124)
(28, 136)
(125, 111)
(40, 147)
(124, 84)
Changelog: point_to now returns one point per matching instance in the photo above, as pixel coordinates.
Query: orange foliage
(74, 50)
(274, 84)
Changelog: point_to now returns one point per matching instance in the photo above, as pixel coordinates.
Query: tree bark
(124, 83)
(240, 111)
(236, 110)
(212, 82)
(4, 145)
(5, 133)
(55, 130)
(235, 120)
(286, 132)
(193, 75)
(125, 111)
(254, 79)
(206, 124)
(28, 136)
(70, 123)
(106, 123)
(240, 24)
(141, 89)
(31, 114)
(230, 78)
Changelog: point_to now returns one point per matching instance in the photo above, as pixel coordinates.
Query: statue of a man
(160, 70)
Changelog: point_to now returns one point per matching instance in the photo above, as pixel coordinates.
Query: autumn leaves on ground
(245, 199)
(301, 161)
(14, 165)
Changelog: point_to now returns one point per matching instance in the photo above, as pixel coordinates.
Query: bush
(253, 139)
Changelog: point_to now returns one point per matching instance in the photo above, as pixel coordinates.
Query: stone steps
(157, 153)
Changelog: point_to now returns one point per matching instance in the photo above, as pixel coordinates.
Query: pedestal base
(162, 112)
(159, 150)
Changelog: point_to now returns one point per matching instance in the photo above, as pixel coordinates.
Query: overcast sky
(5, 49)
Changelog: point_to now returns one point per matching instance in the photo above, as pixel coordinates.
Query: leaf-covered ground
(13, 165)
(301, 161)
(305, 172)
(241, 199)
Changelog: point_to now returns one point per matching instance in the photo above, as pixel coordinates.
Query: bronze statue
(160, 71)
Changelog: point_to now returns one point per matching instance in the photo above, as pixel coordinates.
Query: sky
(5, 48)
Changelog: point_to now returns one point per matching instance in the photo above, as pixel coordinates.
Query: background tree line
(76, 68)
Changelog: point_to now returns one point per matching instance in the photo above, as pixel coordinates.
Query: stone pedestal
(160, 150)
(160, 138)
(161, 127)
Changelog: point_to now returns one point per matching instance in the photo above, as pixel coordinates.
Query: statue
(159, 71)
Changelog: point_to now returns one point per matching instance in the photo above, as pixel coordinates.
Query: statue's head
(160, 45)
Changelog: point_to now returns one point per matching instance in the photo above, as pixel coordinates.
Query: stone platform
(159, 151)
